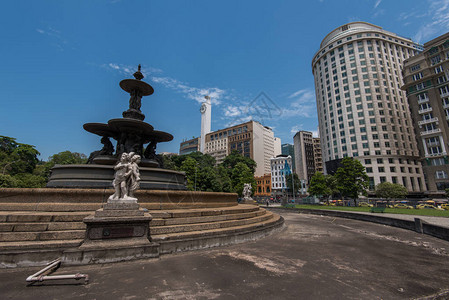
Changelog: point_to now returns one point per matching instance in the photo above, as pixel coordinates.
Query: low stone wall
(53, 199)
(417, 225)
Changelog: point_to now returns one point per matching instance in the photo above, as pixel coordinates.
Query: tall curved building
(362, 111)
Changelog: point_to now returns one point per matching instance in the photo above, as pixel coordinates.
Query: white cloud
(295, 129)
(439, 13)
(54, 36)
(303, 105)
(233, 111)
(189, 92)
(300, 127)
(377, 3)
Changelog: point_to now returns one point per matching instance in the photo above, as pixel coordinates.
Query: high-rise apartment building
(362, 111)
(317, 156)
(304, 155)
(426, 81)
(251, 139)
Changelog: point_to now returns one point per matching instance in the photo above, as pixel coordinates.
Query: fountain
(131, 134)
(93, 213)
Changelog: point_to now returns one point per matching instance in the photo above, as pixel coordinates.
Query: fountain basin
(101, 176)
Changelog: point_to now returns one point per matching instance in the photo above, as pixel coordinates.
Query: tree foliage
(318, 185)
(204, 175)
(16, 158)
(296, 184)
(235, 157)
(390, 190)
(21, 168)
(351, 178)
(17, 164)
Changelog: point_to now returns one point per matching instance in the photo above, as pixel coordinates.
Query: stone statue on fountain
(126, 178)
(247, 195)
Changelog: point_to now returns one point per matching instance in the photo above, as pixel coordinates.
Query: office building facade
(250, 139)
(189, 146)
(304, 155)
(263, 188)
(362, 111)
(281, 166)
(317, 155)
(426, 81)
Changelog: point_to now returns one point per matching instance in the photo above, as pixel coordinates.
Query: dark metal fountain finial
(138, 75)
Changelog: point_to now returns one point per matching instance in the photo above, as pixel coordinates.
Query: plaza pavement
(312, 257)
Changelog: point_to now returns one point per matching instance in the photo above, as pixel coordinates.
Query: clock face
(203, 108)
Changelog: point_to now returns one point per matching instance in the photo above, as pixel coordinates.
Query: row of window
(229, 132)
(369, 42)
(392, 170)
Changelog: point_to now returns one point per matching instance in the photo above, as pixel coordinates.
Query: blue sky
(61, 62)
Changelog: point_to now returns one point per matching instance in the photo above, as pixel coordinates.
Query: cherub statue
(122, 172)
(134, 176)
(247, 190)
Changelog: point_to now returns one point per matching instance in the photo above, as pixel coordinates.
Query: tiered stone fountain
(131, 134)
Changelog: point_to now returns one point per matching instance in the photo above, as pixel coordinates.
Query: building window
(434, 60)
(417, 76)
(415, 68)
(438, 69)
(441, 175)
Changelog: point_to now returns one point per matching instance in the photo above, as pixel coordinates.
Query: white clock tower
(205, 121)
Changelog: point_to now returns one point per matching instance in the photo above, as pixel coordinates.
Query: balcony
(426, 110)
(423, 100)
(431, 120)
(446, 105)
(446, 94)
(436, 154)
(433, 131)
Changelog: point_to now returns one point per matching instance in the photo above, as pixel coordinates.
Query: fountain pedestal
(125, 221)
(114, 231)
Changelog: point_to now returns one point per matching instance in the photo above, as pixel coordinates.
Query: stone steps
(160, 238)
(41, 236)
(24, 245)
(34, 237)
(157, 230)
(36, 227)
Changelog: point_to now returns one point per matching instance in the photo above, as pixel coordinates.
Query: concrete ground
(313, 257)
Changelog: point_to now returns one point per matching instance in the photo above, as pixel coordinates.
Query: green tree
(240, 175)
(224, 179)
(62, 158)
(390, 190)
(235, 157)
(190, 167)
(296, 183)
(319, 186)
(331, 182)
(18, 165)
(447, 192)
(16, 157)
(351, 178)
